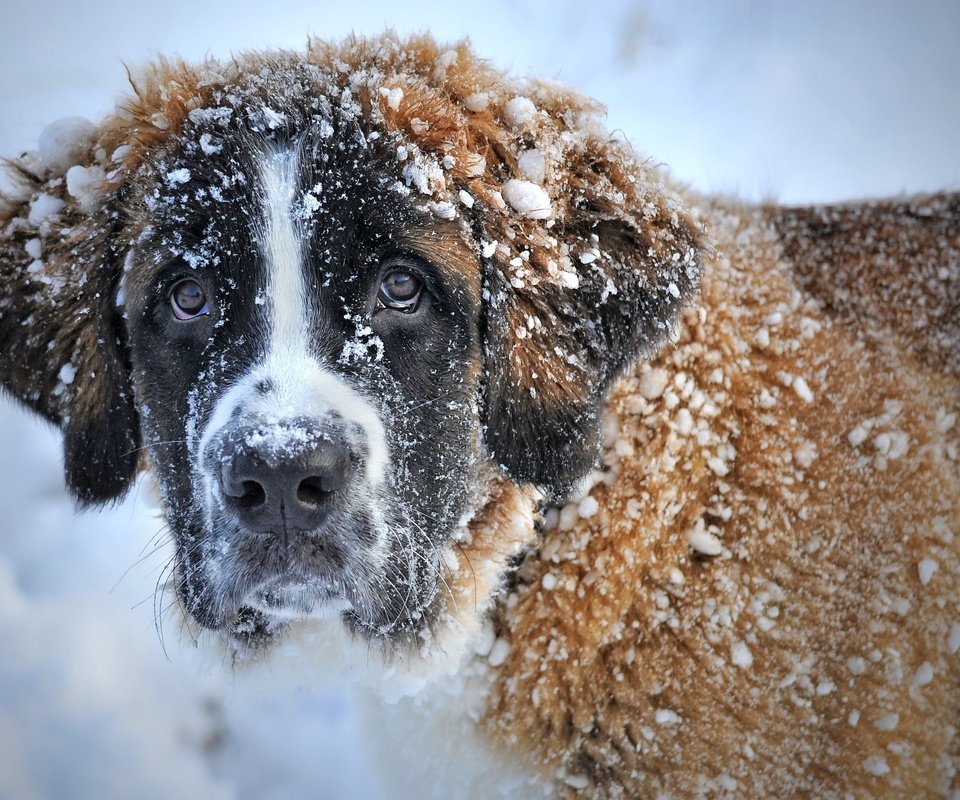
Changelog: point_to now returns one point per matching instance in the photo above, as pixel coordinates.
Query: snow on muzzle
(282, 476)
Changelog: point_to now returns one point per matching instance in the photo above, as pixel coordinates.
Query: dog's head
(328, 296)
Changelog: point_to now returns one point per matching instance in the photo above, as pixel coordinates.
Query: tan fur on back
(805, 660)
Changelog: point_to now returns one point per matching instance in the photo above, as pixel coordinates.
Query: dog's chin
(290, 598)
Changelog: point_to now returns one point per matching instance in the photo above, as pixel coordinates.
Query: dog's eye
(400, 290)
(188, 300)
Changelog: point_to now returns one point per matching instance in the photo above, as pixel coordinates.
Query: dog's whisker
(148, 445)
(159, 589)
(145, 554)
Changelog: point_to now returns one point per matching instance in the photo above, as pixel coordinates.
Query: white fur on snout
(298, 386)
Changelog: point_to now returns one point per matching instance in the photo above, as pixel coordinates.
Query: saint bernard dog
(423, 354)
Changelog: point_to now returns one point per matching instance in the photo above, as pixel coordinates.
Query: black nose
(268, 490)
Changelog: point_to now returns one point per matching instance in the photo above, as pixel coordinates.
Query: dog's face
(330, 296)
(306, 357)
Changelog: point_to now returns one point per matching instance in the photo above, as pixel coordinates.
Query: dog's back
(760, 595)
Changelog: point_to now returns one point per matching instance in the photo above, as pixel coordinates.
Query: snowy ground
(802, 102)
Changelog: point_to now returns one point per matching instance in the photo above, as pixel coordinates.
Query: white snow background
(800, 102)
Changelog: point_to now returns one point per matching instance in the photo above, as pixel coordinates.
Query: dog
(421, 354)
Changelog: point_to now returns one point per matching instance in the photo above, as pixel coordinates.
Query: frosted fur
(683, 620)
(753, 557)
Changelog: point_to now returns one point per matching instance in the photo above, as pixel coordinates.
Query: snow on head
(424, 174)
(178, 176)
(65, 143)
(519, 112)
(83, 184)
(44, 209)
(527, 198)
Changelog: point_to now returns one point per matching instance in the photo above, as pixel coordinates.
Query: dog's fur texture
(755, 593)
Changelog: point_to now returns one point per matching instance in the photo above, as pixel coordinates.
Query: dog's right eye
(188, 300)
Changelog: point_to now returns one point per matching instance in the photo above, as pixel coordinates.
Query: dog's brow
(444, 246)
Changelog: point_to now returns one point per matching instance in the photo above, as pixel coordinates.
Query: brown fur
(820, 537)
(854, 259)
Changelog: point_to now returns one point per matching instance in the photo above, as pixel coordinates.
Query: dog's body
(797, 655)
(407, 299)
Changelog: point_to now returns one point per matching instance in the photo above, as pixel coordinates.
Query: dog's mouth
(376, 598)
(290, 577)
(297, 596)
(366, 562)
(228, 572)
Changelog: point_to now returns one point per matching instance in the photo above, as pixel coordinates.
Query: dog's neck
(476, 565)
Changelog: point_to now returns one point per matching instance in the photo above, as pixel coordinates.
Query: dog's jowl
(423, 353)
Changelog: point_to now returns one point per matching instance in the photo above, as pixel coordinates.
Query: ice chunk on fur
(83, 183)
(519, 112)
(65, 143)
(392, 96)
(44, 208)
(477, 102)
(704, 542)
(527, 199)
(532, 166)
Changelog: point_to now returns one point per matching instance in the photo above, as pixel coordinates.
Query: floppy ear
(574, 299)
(587, 257)
(62, 338)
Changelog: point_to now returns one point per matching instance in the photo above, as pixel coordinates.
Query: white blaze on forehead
(282, 246)
(298, 386)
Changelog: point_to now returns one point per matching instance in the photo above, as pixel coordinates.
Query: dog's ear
(587, 256)
(586, 270)
(62, 337)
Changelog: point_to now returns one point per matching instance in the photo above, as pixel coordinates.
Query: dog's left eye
(400, 290)
(188, 300)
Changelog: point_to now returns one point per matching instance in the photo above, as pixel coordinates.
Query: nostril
(312, 491)
(253, 495)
